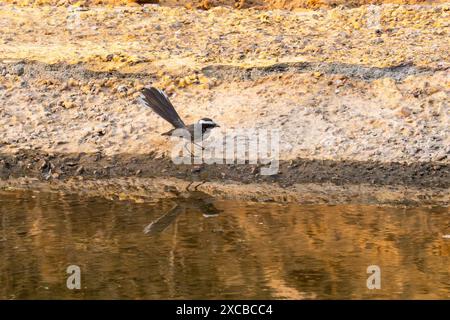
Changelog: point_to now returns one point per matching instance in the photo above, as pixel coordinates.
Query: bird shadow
(195, 201)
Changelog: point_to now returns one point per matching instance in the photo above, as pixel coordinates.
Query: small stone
(122, 88)
(176, 25)
(404, 112)
(317, 74)
(72, 82)
(378, 41)
(18, 69)
(68, 104)
(79, 170)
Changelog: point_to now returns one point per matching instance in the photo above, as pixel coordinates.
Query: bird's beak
(217, 125)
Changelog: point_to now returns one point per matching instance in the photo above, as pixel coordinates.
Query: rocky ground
(240, 4)
(360, 95)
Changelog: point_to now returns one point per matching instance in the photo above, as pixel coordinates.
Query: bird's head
(207, 123)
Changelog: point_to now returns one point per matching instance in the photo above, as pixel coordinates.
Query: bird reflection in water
(196, 201)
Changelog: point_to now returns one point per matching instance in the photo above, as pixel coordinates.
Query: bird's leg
(197, 156)
(185, 146)
(196, 187)
(203, 148)
(190, 184)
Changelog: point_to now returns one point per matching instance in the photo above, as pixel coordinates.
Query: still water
(201, 248)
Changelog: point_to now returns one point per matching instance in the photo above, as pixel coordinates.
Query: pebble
(18, 69)
(404, 112)
(79, 170)
(122, 88)
(68, 104)
(378, 41)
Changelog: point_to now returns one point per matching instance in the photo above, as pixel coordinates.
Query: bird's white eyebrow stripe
(206, 122)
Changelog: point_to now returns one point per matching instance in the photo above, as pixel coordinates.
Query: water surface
(201, 248)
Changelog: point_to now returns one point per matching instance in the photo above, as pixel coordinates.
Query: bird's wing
(158, 101)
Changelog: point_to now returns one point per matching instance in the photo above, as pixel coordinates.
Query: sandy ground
(363, 85)
(240, 4)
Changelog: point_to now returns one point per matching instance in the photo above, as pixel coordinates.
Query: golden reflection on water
(199, 248)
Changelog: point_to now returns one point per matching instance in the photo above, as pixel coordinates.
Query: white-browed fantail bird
(158, 101)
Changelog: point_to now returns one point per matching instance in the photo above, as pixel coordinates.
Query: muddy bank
(148, 178)
(53, 166)
(151, 177)
(151, 190)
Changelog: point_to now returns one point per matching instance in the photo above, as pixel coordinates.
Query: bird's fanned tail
(159, 102)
